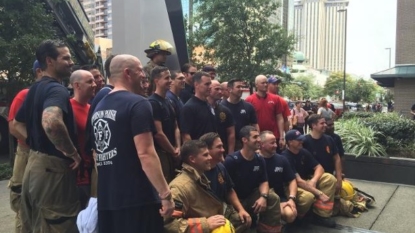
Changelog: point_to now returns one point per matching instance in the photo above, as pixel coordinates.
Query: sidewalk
(394, 211)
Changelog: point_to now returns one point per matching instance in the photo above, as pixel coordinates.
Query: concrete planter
(390, 170)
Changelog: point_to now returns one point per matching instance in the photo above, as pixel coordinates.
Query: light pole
(344, 71)
(389, 56)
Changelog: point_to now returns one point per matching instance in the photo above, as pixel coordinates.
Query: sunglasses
(192, 73)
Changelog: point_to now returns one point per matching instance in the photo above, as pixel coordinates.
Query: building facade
(320, 32)
(100, 16)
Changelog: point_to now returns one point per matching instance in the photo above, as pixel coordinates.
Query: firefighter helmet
(347, 192)
(227, 228)
(158, 46)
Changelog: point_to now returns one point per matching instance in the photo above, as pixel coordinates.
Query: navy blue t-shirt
(187, 93)
(197, 118)
(243, 114)
(302, 163)
(323, 150)
(176, 102)
(88, 130)
(279, 173)
(246, 175)
(220, 181)
(45, 93)
(163, 111)
(339, 144)
(224, 120)
(117, 119)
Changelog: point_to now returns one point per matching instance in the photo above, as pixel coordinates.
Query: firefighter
(197, 209)
(158, 52)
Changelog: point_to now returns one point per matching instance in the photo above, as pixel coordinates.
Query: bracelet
(168, 197)
(72, 155)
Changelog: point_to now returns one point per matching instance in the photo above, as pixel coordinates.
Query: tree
(239, 37)
(293, 91)
(334, 85)
(310, 89)
(361, 90)
(23, 25)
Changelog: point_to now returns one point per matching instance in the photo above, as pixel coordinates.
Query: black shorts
(133, 220)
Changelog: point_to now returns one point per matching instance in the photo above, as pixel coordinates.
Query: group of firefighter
(231, 164)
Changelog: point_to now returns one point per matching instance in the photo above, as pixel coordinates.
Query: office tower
(100, 16)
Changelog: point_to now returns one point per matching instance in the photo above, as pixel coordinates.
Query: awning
(387, 77)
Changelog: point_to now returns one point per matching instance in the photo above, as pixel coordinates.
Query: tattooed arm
(56, 131)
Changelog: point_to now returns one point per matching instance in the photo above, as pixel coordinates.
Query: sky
(371, 27)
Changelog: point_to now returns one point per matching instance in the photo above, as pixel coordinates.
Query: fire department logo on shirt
(222, 116)
(102, 135)
(243, 111)
(328, 149)
(220, 178)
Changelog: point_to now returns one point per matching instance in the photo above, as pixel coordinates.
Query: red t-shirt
(266, 111)
(80, 112)
(16, 104)
(285, 109)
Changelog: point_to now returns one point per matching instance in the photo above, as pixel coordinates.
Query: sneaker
(321, 221)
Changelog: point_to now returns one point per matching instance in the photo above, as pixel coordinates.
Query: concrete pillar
(137, 23)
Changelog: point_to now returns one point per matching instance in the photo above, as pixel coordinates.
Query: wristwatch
(292, 197)
(264, 195)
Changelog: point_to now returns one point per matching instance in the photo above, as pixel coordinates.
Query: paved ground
(393, 213)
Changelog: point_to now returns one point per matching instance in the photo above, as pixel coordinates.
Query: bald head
(215, 83)
(260, 78)
(77, 76)
(121, 62)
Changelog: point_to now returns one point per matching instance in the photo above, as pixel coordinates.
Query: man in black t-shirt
(311, 180)
(222, 185)
(167, 137)
(197, 117)
(243, 112)
(131, 182)
(189, 71)
(323, 148)
(280, 175)
(176, 88)
(46, 121)
(248, 172)
(337, 139)
(224, 119)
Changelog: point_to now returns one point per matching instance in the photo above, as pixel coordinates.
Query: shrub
(392, 125)
(6, 171)
(351, 115)
(359, 139)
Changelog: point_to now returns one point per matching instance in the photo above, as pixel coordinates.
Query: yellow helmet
(227, 228)
(347, 192)
(158, 46)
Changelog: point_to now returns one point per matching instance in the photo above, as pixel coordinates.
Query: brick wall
(405, 32)
(404, 95)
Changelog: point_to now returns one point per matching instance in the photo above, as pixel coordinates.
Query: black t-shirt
(177, 104)
(45, 93)
(302, 163)
(279, 173)
(243, 114)
(323, 150)
(246, 175)
(220, 181)
(339, 144)
(197, 118)
(89, 131)
(163, 111)
(224, 120)
(187, 93)
(117, 119)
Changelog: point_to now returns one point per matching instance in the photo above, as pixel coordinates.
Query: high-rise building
(320, 32)
(284, 14)
(100, 16)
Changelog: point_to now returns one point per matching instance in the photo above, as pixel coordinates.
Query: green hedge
(6, 171)
(351, 115)
(396, 134)
(392, 125)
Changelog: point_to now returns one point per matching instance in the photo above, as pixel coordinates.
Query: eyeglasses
(192, 73)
